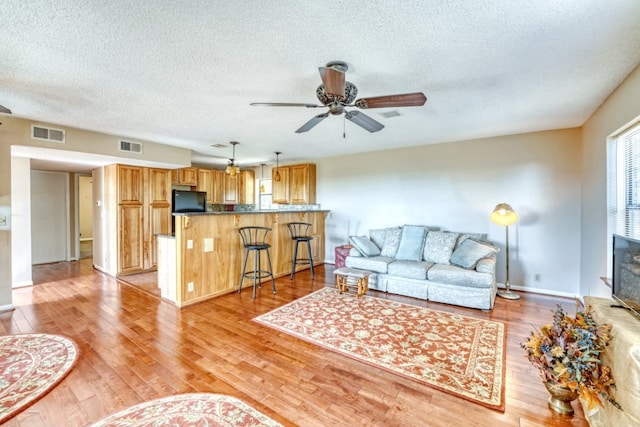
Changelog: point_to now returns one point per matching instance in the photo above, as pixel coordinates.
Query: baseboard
(22, 284)
(540, 291)
(8, 307)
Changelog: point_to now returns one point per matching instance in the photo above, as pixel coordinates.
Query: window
(265, 201)
(623, 182)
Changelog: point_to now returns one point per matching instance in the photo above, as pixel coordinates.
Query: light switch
(208, 244)
(189, 244)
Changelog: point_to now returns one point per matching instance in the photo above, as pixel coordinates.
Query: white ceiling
(184, 72)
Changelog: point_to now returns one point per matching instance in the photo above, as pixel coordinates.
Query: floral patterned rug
(30, 366)
(191, 409)
(457, 354)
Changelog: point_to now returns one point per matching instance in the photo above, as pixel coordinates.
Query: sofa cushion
(410, 269)
(475, 236)
(439, 246)
(470, 252)
(454, 275)
(364, 245)
(391, 242)
(411, 243)
(377, 264)
(377, 236)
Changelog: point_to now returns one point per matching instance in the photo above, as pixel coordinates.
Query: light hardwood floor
(135, 347)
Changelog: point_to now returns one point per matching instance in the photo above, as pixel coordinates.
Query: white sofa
(426, 263)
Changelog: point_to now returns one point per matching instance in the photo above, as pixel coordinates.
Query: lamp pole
(503, 214)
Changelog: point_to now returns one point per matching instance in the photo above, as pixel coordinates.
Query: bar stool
(300, 233)
(254, 239)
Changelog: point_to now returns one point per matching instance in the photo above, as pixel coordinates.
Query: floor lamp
(503, 214)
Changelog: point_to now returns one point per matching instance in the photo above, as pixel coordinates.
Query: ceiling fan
(336, 94)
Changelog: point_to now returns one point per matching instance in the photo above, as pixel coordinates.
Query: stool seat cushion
(258, 246)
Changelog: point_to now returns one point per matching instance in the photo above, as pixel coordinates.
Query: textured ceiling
(184, 72)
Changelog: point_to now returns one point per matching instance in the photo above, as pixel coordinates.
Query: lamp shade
(503, 214)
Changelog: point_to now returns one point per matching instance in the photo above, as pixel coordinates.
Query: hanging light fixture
(233, 169)
(262, 189)
(277, 175)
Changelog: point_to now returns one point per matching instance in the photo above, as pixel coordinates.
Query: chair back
(299, 229)
(254, 236)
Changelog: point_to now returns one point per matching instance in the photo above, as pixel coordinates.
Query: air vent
(131, 147)
(219, 146)
(47, 134)
(389, 114)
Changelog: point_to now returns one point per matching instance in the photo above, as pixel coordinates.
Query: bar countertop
(269, 211)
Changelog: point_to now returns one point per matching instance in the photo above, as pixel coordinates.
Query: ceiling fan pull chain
(344, 127)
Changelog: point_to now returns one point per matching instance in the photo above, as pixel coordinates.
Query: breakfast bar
(203, 259)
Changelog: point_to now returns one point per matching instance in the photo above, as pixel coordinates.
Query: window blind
(623, 183)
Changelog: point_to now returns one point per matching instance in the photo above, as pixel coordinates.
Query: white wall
(49, 216)
(21, 221)
(622, 106)
(455, 186)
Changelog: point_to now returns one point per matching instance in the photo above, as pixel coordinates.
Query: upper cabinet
(247, 187)
(185, 176)
(296, 184)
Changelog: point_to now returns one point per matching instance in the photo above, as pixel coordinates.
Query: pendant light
(233, 169)
(262, 189)
(277, 175)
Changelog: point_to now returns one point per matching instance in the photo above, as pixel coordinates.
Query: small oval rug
(30, 366)
(191, 409)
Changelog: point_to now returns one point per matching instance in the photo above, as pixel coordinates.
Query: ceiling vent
(47, 134)
(390, 114)
(131, 147)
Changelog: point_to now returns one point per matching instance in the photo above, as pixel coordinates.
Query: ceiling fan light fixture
(232, 169)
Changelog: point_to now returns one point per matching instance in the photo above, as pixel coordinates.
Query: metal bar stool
(300, 233)
(255, 239)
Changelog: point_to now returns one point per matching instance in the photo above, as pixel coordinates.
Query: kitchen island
(203, 259)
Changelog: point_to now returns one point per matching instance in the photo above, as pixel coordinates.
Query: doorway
(85, 216)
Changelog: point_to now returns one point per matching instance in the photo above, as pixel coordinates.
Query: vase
(561, 398)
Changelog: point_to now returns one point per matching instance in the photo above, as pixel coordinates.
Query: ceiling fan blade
(314, 121)
(4, 110)
(333, 81)
(402, 100)
(364, 121)
(284, 104)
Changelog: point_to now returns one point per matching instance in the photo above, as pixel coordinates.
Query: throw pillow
(470, 252)
(391, 242)
(377, 236)
(364, 245)
(438, 246)
(411, 243)
(475, 236)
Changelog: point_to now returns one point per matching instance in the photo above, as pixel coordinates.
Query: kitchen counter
(203, 259)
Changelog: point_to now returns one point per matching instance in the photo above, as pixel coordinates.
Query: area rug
(457, 354)
(30, 366)
(191, 409)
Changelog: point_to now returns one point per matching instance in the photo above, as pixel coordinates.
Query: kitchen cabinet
(239, 189)
(212, 182)
(247, 187)
(137, 205)
(185, 176)
(297, 184)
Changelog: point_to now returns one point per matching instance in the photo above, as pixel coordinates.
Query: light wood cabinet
(140, 201)
(205, 183)
(297, 184)
(280, 185)
(185, 176)
(247, 187)
(239, 189)
(230, 189)
(212, 182)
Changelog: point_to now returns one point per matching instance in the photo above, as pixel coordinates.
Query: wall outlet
(536, 277)
(189, 244)
(3, 220)
(190, 287)
(208, 244)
